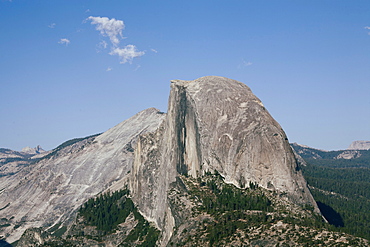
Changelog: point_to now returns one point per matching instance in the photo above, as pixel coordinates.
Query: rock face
(228, 129)
(213, 124)
(359, 145)
(349, 154)
(50, 191)
(11, 161)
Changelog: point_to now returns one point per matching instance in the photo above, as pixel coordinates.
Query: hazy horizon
(73, 69)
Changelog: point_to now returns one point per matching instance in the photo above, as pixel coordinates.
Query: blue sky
(75, 68)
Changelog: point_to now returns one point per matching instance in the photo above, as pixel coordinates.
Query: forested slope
(341, 187)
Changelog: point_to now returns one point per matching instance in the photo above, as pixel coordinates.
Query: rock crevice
(213, 124)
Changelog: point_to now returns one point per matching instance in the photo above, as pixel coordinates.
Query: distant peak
(359, 145)
(37, 150)
(149, 110)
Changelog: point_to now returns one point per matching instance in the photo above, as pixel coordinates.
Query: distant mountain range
(13, 161)
(339, 158)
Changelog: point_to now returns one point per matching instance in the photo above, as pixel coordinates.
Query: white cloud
(108, 69)
(52, 25)
(137, 67)
(101, 46)
(64, 41)
(127, 54)
(113, 28)
(244, 64)
(155, 51)
(108, 27)
(368, 28)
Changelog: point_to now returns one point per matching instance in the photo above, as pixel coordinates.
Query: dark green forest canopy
(108, 210)
(346, 191)
(340, 186)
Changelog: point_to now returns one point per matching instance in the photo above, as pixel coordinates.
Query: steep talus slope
(50, 191)
(213, 124)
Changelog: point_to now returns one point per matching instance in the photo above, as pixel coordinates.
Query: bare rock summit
(36, 150)
(359, 145)
(213, 124)
(227, 128)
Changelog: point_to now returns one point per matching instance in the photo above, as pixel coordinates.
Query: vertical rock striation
(238, 137)
(213, 124)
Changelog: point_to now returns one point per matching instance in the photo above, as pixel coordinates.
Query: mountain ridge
(359, 145)
(50, 191)
(335, 158)
(216, 144)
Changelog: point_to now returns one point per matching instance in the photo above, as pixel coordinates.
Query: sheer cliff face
(213, 124)
(223, 126)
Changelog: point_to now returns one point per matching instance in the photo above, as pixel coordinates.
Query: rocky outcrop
(359, 145)
(349, 154)
(213, 124)
(228, 129)
(36, 150)
(49, 192)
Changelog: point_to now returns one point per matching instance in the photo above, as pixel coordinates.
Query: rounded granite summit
(234, 134)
